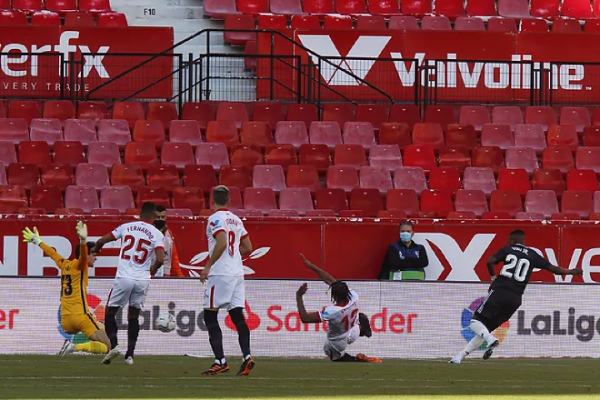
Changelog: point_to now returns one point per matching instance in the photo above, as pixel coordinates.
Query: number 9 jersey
(230, 262)
(139, 240)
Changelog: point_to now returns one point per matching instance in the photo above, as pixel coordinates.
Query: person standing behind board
(403, 255)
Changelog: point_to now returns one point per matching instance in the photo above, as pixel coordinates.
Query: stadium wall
(409, 319)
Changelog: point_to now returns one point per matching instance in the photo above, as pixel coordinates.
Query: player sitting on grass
(74, 311)
(342, 326)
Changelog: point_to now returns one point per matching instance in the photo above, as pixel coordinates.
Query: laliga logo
(201, 257)
(465, 320)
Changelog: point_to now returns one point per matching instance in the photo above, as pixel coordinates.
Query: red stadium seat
(333, 199)
(316, 155)
(281, 154)
(200, 176)
(214, 154)
(534, 25)
(240, 177)
(296, 199)
(112, 20)
(291, 132)
(34, 152)
(164, 112)
(450, 8)
(127, 175)
(544, 115)
(579, 203)
(286, 7)
(252, 6)
(83, 197)
(548, 179)
(95, 6)
(105, 153)
(367, 200)
(45, 18)
(62, 6)
(359, 133)
(419, 156)
(521, 158)
(441, 114)
(25, 175)
(302, 112)
(415, 7)
(530, 136)
(232, 111)
(259, 199)
(564, 216)
(350, 155)
(481, 8)
(370, 23)
(383, 7)
(117, 197)
(114, 131)
(591, 136)
(597, 202)
(455, 157)
(500, 24)
(147, 131)
(158, 196)
(592, 26)
(80, 130)
(129, 111)
(325, 132)
(563, 135)
(12, 18)
(403, 23)
(340, 113)
(94, 175)
(177, 154)
(219, 8)
(185, 131)
(341, 177)
(438, 202)
(405, 200)
(56, 175)
(496, 215)
(79, 20)
(410, 178)
(529, 216)
(558, 157)
(350, 6)
(514, 180)
(202, 112)
(513, 8)
(269, 176)
(488, 156)
(461, 136)
(244, 24)
(27, 5)
(318, 6)
(471, 201)
(541, 201)
(188, 198)
(396, 133)
(582, 179)
(376, 114)
(272, 113)
(474, 115)
(223, 132)
(493, 135)
(479, 178)
(375, 178)
(305, 22)
(245, 156)
(27, 109)
(576, 116)
(94, 110)
(385, 156)
(256, 133)
(8, 153)
(48, 130)
(12, 198)
(303, 176)
(507, 115)
(69, 153)
(436, 23)
(469, 24)
(576, 9)
(545, 8)
(561, 25)
(444, 179)
(430, 134)
(142, 154)
(506, 202)
(46, 198)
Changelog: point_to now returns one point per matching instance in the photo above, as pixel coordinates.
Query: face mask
(405, 236)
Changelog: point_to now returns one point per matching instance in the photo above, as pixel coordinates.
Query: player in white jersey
(142, 254)
(227, 241)
(344, 322)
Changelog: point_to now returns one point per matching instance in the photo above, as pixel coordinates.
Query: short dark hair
(221, 195)
(160, 208)
(406, 223)
(340, 292)
(148, 210)
(90, 246)
(517, 235)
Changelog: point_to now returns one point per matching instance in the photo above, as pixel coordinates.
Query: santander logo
(252, 319)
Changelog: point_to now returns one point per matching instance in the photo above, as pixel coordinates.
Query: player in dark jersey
(505, 292)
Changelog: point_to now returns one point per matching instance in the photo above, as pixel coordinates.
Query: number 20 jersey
(230, 262)
(518, 264)
(138, 241)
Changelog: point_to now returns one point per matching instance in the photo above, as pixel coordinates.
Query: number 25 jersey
(230, 262)
(139, 239)
(519, 262)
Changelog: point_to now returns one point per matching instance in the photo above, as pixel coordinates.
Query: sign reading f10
(465, 65)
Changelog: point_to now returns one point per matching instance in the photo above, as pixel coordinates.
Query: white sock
(222, 361)
(479, 328)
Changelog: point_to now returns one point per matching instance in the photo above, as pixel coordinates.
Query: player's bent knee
(100, 336)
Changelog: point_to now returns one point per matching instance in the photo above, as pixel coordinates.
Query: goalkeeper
(75, 315)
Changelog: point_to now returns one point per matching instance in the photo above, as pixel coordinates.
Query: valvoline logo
(500, 333)
(252, 319)
(96, 308)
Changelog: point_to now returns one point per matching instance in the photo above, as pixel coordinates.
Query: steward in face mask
(404, 255)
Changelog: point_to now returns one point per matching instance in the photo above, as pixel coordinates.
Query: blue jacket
(401, 257)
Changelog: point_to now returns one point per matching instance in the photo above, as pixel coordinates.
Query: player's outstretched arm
(563, 271)
(33, 236)
(306, 317)
(324, 275)
(102, 241)
(81, 229)
(491, 263)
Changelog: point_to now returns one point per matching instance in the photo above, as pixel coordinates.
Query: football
(166, 322)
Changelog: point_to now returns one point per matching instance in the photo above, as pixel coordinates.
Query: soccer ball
(166, 322)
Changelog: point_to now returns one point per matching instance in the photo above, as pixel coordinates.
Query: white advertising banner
(409, 319)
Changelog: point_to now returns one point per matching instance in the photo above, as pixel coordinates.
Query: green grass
(179, 377)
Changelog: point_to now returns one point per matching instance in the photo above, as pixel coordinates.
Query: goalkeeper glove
(30, 236)
(81, 229)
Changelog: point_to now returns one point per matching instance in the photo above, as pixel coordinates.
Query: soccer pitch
(179, 377)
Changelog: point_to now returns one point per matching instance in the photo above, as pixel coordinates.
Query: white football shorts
(336, 348)
(128, 291)
(222, 291)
